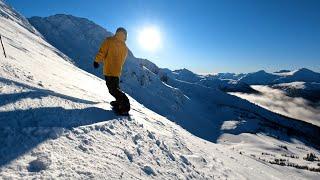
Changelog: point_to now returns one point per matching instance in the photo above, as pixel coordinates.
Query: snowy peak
(260, 77)
(183, 71)
(227, 75)
(304, 75)
(145, 63)
(261, 72)
(79, 38)
(264, 78)
(282, 71)
(186, 75)
(70, 35)
(304, 72)
(69, 23)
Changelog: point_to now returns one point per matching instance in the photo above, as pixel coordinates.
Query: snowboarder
(113, 53)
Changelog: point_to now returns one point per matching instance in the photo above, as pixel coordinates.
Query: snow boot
(114, 103)
(120, 112)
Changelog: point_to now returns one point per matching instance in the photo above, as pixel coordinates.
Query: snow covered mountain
(304, 75)
(186, 75)
(56, 123)
(302, 83)
(8, 13)
(232, 76)
(259, 78)
(60, 28)
(307, 90)
(284, 76)
(211, 81)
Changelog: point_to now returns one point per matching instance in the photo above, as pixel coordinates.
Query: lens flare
(150, 38)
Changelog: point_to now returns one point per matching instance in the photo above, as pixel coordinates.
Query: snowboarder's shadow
(33, 92)
(54, 117)
(22, 130)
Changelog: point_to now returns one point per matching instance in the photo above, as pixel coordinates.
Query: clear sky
(207, 36)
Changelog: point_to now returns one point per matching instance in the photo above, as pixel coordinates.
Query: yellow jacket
(113, 53)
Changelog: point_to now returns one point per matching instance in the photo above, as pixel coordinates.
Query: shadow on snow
(22, 130)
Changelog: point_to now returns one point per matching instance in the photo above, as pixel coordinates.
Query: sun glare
(149, 38)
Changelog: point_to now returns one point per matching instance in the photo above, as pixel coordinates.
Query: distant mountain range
(264, 78)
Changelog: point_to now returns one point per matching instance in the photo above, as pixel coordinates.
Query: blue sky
(207, 36)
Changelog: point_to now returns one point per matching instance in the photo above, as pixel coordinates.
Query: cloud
(277, 101)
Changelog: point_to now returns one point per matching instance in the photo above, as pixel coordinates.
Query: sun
(150, 38)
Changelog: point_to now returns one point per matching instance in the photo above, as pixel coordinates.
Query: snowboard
(115, 108)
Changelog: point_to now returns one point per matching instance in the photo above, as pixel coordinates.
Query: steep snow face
(70, 35)
(9, 13)
(143, 84)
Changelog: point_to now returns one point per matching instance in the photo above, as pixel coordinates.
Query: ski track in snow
(53, 124)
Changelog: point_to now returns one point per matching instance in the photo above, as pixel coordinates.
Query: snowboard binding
(119, 109)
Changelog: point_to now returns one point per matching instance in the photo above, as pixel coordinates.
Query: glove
(95, 65)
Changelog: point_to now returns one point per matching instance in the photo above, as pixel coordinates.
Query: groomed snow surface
(56, 122)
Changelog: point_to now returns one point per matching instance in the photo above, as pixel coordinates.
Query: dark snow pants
(115, 91)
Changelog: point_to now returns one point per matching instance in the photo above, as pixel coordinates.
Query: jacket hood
(120, 36)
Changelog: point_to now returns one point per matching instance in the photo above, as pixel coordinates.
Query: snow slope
(56, 122)
(76, 29)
